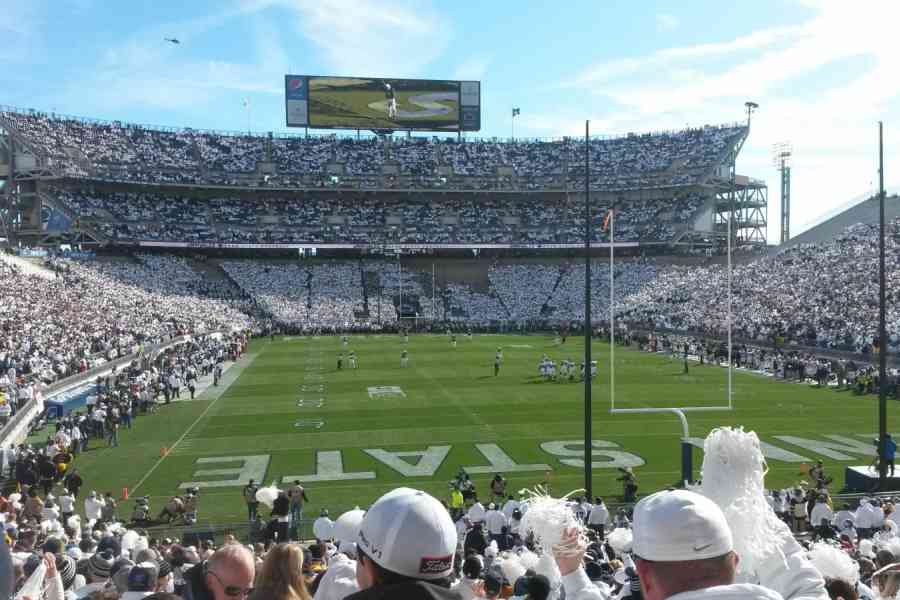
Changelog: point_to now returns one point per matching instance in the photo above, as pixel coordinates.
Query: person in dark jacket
(476, 540)
(505, 540)
(281, 507)
(227, 575)
(73, 482)
(406, 547)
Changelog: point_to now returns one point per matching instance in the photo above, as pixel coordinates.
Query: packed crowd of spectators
(61, 542)
(332, 295)
(335, 219)
(814, 295)
(89, 313)
(811, 366)
(822, 295)
(128, 152)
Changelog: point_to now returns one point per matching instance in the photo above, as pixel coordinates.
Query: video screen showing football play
(372, 103)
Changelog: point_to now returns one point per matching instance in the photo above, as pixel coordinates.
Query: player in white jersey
(594, 369)
(391, 101)
(353, 364)
(552, 370)
(404, 359)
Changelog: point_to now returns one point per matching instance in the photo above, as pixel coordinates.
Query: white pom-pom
(492, 549)
(547, 518)
(511, 566)
(128, 540)
(833, 562)
(528, 559)
(267, 495)
(620, 539)
(866, 548)
(733, 477)
(893, 546)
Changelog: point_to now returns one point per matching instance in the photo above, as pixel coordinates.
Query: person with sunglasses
(227, 575)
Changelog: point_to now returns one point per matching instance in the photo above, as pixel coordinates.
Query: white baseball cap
(323, 528)
(346, 528)
(409, 533)
(677, 525)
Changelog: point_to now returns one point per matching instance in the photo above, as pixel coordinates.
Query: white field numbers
(382, 391)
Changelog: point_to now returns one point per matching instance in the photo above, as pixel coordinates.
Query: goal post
(680, 411)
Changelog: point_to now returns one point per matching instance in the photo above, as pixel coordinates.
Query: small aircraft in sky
(173, 40)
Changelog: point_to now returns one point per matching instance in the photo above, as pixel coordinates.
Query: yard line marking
(191, 428)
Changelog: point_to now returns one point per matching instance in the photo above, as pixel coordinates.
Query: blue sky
(823, 72)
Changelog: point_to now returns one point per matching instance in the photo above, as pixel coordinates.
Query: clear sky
(822, 72)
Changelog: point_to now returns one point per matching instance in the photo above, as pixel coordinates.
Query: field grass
(452, 399)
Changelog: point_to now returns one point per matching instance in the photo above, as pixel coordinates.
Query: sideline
(237, 368)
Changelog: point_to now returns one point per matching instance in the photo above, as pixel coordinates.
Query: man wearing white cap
(495, 521)
(406, 548)
(683, 550)
(339, 580)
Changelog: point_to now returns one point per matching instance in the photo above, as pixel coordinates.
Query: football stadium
(400, 358)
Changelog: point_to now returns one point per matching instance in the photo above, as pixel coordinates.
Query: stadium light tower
(516, 111)
(781, 158)
(751, 106)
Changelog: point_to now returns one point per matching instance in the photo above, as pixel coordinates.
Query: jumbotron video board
(375, 103)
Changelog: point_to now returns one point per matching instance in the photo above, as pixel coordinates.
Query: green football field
(358, 433)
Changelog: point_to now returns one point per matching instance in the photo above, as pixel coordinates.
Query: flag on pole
(516, 111)
(606, 219)
(246, 102)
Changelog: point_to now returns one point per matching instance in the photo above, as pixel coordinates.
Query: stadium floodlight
(781, 154)
(751, 107)
(781, 158)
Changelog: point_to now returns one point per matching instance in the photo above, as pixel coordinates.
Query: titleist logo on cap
(436, 564)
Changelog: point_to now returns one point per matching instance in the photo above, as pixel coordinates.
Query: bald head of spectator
(229, 573)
